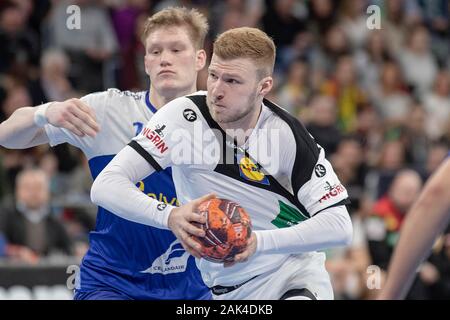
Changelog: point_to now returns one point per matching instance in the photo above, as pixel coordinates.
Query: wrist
(266, 242)
(40, 119)
(165, 210)
(259, 241)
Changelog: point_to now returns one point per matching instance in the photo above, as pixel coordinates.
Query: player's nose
(217, 91)
(165, 59)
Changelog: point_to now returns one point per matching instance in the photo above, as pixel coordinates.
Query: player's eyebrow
(226, 74)
(169, 43)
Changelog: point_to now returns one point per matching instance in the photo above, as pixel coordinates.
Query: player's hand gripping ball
(227, 229)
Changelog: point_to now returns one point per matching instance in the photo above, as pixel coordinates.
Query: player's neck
(159, 99)
(244, 126)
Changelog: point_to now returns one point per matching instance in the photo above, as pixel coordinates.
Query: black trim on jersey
(298, 293)
(307, 150)
(200, 102)
(343, 202)
(144, 154)
(232, 170)
(219, 290)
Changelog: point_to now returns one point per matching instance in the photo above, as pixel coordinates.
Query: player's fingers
(252, 240)
(194, 230)
(86, 119)
(81, 125)
(242, 257)
(190, 245)
(190, 250)
(196, 250)
(196, 217)
(249, 250)
(83, 106)
(194, 253)
(73, 129)
(187, 240)
(182, 236)
(194, 245)
(206, 197)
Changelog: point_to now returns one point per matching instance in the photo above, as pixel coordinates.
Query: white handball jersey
(280, 176)
(120, 114)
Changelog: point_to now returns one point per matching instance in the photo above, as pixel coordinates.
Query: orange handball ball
(227, 229)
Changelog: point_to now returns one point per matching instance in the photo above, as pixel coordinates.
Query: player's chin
(170, 84)
(221, 117)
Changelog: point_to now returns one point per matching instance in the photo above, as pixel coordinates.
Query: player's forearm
(19, 130)
(416, 239)
(114, 190)
(426, 219)
(329, 228)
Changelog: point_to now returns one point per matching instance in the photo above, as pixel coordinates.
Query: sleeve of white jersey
(166, 139)
(313, 179)
(318, 190)
(323, 190)
(98, 102)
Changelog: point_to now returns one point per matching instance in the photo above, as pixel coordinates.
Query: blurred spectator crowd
(377, 100)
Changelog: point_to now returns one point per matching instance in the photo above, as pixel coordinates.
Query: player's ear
(266, 84)
(147, 71)
(201, 60)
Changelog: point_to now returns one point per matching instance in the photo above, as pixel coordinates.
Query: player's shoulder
(186, 107)
(280, 118)
(294, 140)
(115, 94)
(115, 102)
(196, 99)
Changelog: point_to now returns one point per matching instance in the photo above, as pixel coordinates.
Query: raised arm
(426, 219)
(24, 128)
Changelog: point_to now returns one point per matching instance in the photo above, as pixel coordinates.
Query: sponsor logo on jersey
(155, 138)
(288, 216)
(134, 95)
(174, 260)
(159, 130)
(161, 206)
(160, 197)
(250, 171)
(189, 115)
(333, 191)
(320, 170)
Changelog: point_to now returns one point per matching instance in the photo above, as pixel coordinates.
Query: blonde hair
(249, 43)
(179, 16)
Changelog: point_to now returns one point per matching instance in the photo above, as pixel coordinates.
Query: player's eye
(212, 75)
(155, 52)
(232, 81)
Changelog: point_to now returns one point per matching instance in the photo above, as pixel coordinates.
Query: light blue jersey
(135, 260)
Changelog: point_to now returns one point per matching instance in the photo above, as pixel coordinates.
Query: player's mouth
(166, 72)
(218, 106)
